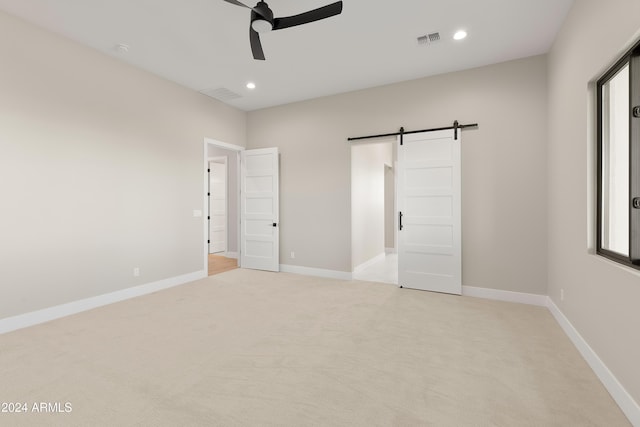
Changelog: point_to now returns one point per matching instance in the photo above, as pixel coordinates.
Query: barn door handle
(400, 220)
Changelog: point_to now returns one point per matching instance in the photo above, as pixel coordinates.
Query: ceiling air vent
(429, 38)
(221, 94)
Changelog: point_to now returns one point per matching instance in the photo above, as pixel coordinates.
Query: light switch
(197, 213)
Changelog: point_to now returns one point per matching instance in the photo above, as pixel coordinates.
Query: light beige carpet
(249, 348)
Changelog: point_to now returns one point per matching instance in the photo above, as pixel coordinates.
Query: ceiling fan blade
(306, 17)
(256, 46)
(256, 10)
(237, 3)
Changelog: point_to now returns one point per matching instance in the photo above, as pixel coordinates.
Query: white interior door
(218, 206)
(259, 213)
(429, 204)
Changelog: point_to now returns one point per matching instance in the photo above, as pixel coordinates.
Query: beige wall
(368, 200)
(101, 166)
(504, 186)
(601, 299)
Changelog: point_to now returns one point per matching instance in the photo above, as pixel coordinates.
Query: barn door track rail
(456, 126)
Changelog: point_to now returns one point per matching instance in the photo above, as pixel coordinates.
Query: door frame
(224, 161)
(205, 197)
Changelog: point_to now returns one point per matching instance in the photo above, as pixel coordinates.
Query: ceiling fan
(262, 21)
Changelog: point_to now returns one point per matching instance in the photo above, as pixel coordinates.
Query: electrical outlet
(293, 255)
(136, 272)
(561, 294)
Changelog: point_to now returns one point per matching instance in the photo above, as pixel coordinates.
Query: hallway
(219, 264)
(384, 271)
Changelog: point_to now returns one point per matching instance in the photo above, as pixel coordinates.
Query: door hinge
(208, 241)
(209, 218)
(402, 136)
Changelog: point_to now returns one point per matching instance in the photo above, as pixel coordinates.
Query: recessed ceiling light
(251, 85)
(460, 35)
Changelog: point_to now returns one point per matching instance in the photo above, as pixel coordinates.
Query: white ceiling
(204, 44)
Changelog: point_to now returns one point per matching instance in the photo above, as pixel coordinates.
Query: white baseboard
(375, 259)
(45, 315)
(317, 272)
(500, 295)
(390, 251)
(233, 255)
(627, 404)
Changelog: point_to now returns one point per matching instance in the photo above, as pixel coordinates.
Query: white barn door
(429, 205)
(259, 213)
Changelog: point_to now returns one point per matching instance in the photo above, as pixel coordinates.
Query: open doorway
(253, 222)
(222, 223)
(373, 207)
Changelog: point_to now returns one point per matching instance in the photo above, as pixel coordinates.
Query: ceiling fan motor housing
(263, 15)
